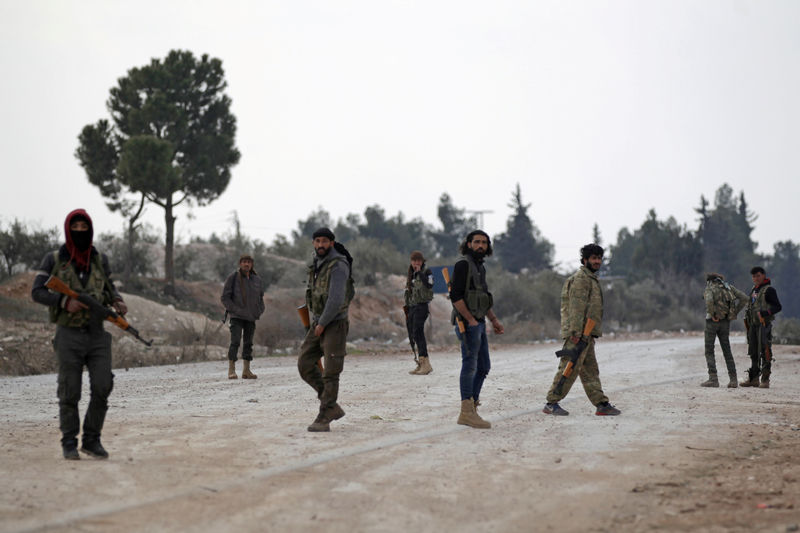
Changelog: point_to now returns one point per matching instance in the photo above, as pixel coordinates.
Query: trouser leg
(248, 332)
(723, 332)
(70, 347)
(310, 353)
(470, 345)
(483, 366)
(236, 338)
(334, 348)
(710, 337)
(590, 378)
(418, 315)
(101, 380)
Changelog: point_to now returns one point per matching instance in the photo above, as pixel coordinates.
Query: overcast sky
(600, 110)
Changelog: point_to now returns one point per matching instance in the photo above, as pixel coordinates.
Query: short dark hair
(464, 248)
(756, 269)
(590, 250)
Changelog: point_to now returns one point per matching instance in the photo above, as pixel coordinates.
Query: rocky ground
(193, 451)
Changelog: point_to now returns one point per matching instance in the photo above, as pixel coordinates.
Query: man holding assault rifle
(581, 321)
(81, 289)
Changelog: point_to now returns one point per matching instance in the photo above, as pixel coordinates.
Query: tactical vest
(721, 298)
(317, 288)
(478, 300)
(420, 293)
(760, 304)
(95, 287)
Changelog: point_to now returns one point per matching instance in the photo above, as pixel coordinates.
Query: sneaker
(70, 450)
(606, 409)
(554, 409)
(321, 423)
(93, 448)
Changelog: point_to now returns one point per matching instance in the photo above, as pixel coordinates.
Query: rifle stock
(459, 322)
(55, 284)
(305, 318)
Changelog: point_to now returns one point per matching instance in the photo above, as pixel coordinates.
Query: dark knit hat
(416, 255)
(323, 232)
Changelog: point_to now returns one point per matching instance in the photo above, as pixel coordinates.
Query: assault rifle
(763, 339)
(305, 319)
(55, 284)
(573, 354)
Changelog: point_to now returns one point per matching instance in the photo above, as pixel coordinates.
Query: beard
(322, 252)
(81, 239)
(477, 255)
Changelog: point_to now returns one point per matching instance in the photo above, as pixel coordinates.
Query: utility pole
(479, 213)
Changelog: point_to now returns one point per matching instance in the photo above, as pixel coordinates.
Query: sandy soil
(193, 451)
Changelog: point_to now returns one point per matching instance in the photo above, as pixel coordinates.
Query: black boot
(93, 448)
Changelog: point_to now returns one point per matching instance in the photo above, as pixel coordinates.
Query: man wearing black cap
(328, 295)
(243, 298)
(80, 339)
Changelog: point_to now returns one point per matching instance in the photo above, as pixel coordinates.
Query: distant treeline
(654, 275)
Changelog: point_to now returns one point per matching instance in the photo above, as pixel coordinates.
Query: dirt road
(193, 451)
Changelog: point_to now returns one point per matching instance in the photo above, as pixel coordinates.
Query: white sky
(601, 110)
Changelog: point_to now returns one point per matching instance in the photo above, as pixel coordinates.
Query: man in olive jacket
(581, 299)
(328, 296)
(243, 298)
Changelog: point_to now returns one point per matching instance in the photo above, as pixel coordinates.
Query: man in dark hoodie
(328, 296)
(758, 318)
(243, 298)
(472, 305)
(80, 339)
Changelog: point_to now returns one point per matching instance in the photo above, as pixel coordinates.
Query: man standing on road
(243, 298)
(419, 291)
(80, 338)
(328, 296)
(761, 310)
(472, 303)
(581, 299)
(723, 303)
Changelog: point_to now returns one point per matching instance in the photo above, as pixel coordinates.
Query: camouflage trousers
(760, 351)
(721, 329)
(586, 368)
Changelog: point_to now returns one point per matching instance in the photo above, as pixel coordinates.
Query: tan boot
(232, 370)
(468, 416)
(425, 367)
(246, 374)
(416, 370)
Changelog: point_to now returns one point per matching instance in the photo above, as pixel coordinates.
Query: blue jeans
(475, 362)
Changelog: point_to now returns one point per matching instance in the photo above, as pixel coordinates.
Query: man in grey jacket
(328, 295)
(243, 298)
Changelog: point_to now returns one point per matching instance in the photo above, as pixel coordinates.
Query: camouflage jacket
(581, 298)
(723, 300)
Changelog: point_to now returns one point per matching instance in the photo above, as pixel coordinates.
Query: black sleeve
(771, 297)
(39, 292)
(458, 281)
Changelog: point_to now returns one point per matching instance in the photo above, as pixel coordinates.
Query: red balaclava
(79, 246)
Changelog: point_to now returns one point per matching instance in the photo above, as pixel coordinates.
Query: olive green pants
(586, 367)
(331, 346)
